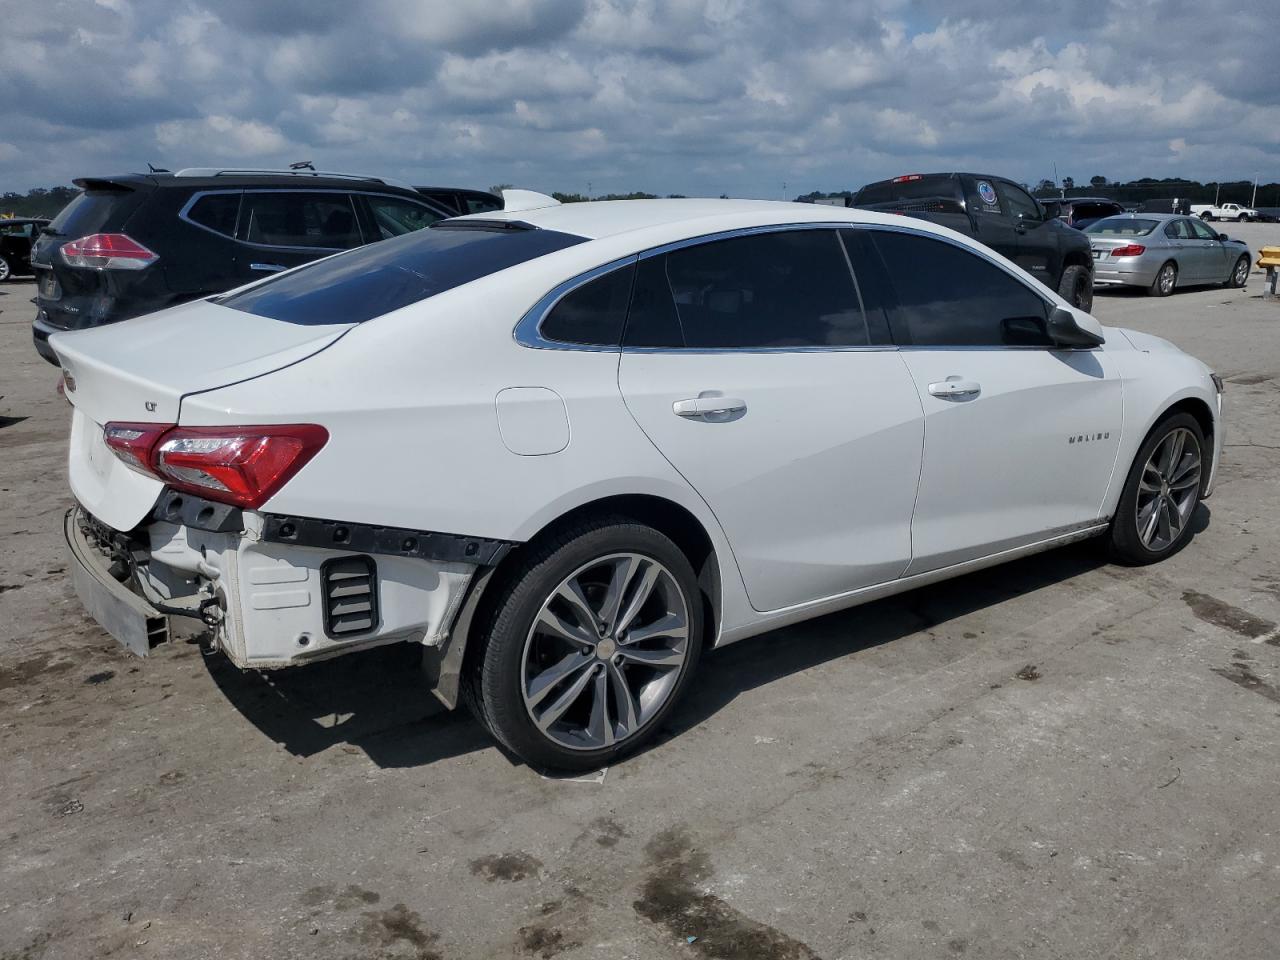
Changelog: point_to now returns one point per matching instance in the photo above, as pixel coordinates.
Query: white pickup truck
(1228, 211)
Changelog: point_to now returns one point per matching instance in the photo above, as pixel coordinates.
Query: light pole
(1253, 202)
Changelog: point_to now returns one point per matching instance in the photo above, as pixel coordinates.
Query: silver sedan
(1162, 251)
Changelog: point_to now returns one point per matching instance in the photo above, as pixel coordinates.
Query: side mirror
(1223, 237)
(1065, 330)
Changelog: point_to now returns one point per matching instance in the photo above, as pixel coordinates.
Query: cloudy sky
(669, 96)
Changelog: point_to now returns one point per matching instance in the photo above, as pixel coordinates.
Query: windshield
(370, 281)
(1121, 227)
(889, 190)
(91, 212)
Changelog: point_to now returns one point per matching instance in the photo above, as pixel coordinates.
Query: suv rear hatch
(73, 297)
(139, 371)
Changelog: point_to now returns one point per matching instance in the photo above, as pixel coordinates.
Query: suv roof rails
(262, 171)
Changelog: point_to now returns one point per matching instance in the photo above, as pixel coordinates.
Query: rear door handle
(706, 408)
(267, 267)
(953, 388)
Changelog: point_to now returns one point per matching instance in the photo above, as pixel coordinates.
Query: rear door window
(382, 277)
(949, 297)
(396, 216)
(325, 221)
(1178, 230)
(791, 288)
(594, 313)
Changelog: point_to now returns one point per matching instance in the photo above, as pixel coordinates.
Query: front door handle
(709, 408)
(953, 388)
(267, 267)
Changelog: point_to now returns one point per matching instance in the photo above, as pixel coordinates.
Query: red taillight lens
(907, 178)
(133, 442)
(244, 466)
(240, 465)
(1129, 250)
(107, 251)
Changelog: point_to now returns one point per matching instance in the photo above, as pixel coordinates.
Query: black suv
(463, 201)
(999, 213)
(17, 235)
(132, 244)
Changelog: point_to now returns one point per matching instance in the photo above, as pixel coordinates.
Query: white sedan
(566, 447)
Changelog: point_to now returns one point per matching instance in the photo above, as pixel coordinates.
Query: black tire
(1206, 215)
(1239, 277)
(6, 269)
(1076, 287)
(1124, 539)
(494, 678)
(1158, 288)
(1241, 218)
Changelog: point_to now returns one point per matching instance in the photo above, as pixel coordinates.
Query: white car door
(750, 364)
(1020, 437)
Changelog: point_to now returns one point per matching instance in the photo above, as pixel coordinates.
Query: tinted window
(1019, 202)
(480, 204)
(652, 320)
(395, 216)
(919, 188)
(217, 211)
(947, 296)
(594, 313)
(792, 288)
(1122, 227)
(288, 219)
(93, 211)
(382, 277)
(982, 197)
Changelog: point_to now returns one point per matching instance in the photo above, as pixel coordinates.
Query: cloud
(688, 96)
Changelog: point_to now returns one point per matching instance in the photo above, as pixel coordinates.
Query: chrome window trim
(184, 213)
(528, 331)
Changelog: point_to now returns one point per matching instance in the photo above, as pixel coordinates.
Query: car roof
(598, 219)
(197, 178)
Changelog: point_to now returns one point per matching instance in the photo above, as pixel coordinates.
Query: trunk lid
(139, 370)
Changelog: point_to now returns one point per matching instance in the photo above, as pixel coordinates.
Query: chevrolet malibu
(565, 448)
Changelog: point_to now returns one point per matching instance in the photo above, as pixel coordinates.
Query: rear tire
(1239, 273)
(1161, 493)
(1166, 280)
(558, 675)
(1076, 287)
(6, 270)
(1206, 215)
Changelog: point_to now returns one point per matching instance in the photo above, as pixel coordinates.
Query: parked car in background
(462, 201)
(567, 447)
(1269, 214)
(1163, 252)
(17, 237)
(1227, 211)
(1079, 212)
(137, 243)
(999, 213)
(1165, 205)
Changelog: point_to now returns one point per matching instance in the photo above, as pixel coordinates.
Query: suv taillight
(1129, 250)
(107, 251)
(243, 466)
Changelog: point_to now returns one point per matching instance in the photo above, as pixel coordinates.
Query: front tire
(1153, 517)
(1166, 280)
(589, 646)
(1239, 273)
(1076, 287)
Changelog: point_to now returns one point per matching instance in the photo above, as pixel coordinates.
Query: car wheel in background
(1165, 282)
(6, 271)
(1206, 215)
(1239, 273)
(1076, 287)
(589, 645)
(1241, 219)
(1153, 518)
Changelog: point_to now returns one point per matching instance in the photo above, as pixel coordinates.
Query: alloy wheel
(1167, 277)
(1167, 489)
(1242, 272)
(605, 651)
(4, 270)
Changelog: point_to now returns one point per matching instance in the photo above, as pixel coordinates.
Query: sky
(698, 97)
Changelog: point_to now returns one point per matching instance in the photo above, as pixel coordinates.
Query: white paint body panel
(810, 495)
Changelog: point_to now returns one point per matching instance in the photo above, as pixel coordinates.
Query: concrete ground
(1055, 758)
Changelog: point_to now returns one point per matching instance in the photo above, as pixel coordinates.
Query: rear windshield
(92, 212)
(1121, 227)
(371, 281)
(1086, 211)
(887, 191)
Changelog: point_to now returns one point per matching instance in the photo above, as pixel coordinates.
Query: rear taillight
(244, 466)
(908, 178)
(107, 251)
(1129, 250)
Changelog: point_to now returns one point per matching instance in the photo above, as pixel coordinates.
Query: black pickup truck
(999, 213)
